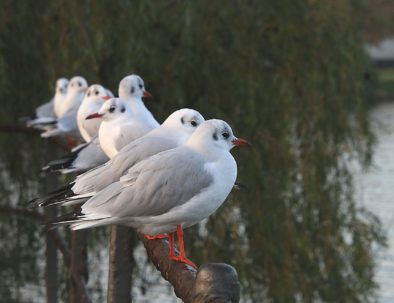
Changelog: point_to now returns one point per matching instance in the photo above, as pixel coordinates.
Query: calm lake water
(375, 191)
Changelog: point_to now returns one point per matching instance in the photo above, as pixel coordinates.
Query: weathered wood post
(120, 265)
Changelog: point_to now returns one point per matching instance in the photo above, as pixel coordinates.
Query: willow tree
(287, 75)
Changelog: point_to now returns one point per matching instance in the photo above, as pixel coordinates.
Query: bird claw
(155, 237)
(184, 260)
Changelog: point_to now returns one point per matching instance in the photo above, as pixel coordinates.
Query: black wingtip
(64, 219)
(53, 197)
(64, 162)
(33, 203)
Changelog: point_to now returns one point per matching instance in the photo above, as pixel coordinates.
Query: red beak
(107, 98)
(95, 115)
(147, 94)
(240, 142)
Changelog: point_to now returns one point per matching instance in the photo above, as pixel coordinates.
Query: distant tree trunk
(51, 266)
(51, 262)
(120, 264)
(79, 260)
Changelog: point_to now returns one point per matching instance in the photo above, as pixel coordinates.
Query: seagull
(170, 191)
(120, 126)
(173, 132)
(46, 113)
(66, 122)
(61, 93)
(132, 89)
(75, 94)
(94, 99)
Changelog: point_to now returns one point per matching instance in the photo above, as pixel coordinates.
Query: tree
(288, 75)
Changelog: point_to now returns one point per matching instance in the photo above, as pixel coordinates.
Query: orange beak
(147, 94)
(93, 116)
(106, 98)
(240, 142)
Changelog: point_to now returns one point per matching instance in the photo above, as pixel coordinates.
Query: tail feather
(89, 223)
(65, 219)
(41, 122)
(52, 133)
(77, 221)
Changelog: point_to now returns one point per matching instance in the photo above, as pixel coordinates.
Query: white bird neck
(75, 94)
(211, 153)
(139, 110)
(173, 133)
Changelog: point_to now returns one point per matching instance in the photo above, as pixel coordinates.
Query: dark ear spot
(215, 136)
(183, 121)
(123, 109)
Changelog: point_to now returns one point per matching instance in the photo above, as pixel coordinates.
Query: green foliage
(287, 75)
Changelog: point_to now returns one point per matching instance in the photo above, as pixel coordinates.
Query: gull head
(184, 120)
(61, 86)
(78, 84)
(96, 91)
(215, 134)
(112, 109)
(133, 87)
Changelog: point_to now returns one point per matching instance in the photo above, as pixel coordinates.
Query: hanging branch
(58, 240)
(17, 128)
(22, 129)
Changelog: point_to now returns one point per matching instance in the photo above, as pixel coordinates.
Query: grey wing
(139, 150)
(91, 156)
(68, 122)
(93, 180)
(134, 152)
(46, 110)
(154, 186)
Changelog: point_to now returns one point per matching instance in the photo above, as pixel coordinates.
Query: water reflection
(375, 191)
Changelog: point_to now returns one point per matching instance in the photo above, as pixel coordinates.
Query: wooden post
(79, 267)
(51, 259)
(120, 265)
(51, 268)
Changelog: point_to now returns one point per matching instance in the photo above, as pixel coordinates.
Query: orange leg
(71, 142)
(155, 237)
(182, 256)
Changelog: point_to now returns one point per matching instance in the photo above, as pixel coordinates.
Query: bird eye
(123, 109)
(97, 92)
(193, 123)
(79, 83)
(112, 109)
(225, 135)
(132, 90)
(140, 86)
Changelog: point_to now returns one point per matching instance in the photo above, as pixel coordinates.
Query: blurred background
(309, 83)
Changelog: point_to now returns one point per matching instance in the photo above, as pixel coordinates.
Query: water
(375, 191)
